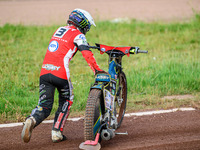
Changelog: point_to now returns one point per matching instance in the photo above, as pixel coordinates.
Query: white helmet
(81, 19)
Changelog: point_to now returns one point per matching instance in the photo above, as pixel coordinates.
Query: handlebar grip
(135, 50)
(142, 51)
(93, 47)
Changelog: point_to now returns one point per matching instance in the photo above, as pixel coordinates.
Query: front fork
(109, 118)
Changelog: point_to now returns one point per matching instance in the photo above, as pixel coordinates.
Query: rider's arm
(89, 57)
(81, 42)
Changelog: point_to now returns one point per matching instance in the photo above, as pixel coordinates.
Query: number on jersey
(60, 32)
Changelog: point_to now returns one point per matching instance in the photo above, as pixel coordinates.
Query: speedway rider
(64, 44)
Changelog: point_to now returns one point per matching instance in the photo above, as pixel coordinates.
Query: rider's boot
(27, 129)
(57, 136)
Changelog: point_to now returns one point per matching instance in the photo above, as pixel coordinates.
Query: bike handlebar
(133, 50)
(142, 51)
(93, 47)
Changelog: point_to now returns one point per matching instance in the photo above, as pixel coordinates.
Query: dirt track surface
(171, 131)
(43, 12)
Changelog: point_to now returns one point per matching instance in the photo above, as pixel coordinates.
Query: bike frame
(107, 83)
(107, 95)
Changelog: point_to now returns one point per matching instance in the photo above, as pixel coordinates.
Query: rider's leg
(65, 102)
(44, 107)
(42, 110)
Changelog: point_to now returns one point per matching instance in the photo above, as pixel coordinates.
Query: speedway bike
(106, 103)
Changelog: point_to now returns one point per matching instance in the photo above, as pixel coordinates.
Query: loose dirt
(47, 12)
(172, 131)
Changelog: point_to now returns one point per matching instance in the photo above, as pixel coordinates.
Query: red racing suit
(64, 44)
(62, 47)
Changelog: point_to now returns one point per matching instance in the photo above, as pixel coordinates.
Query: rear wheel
(121, 100)
(93, 114)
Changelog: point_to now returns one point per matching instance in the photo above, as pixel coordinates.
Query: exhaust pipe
(107, 134)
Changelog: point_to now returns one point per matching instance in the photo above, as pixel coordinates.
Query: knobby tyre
(93, 114)
(121, 107)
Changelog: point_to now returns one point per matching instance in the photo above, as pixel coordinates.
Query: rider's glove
(100, 71)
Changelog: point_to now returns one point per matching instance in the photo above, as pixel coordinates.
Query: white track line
(158, 112)
(127, 115)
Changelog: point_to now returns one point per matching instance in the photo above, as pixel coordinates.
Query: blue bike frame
(107, 84)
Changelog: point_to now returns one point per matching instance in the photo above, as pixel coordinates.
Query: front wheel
(121, 99)
(93, 114)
